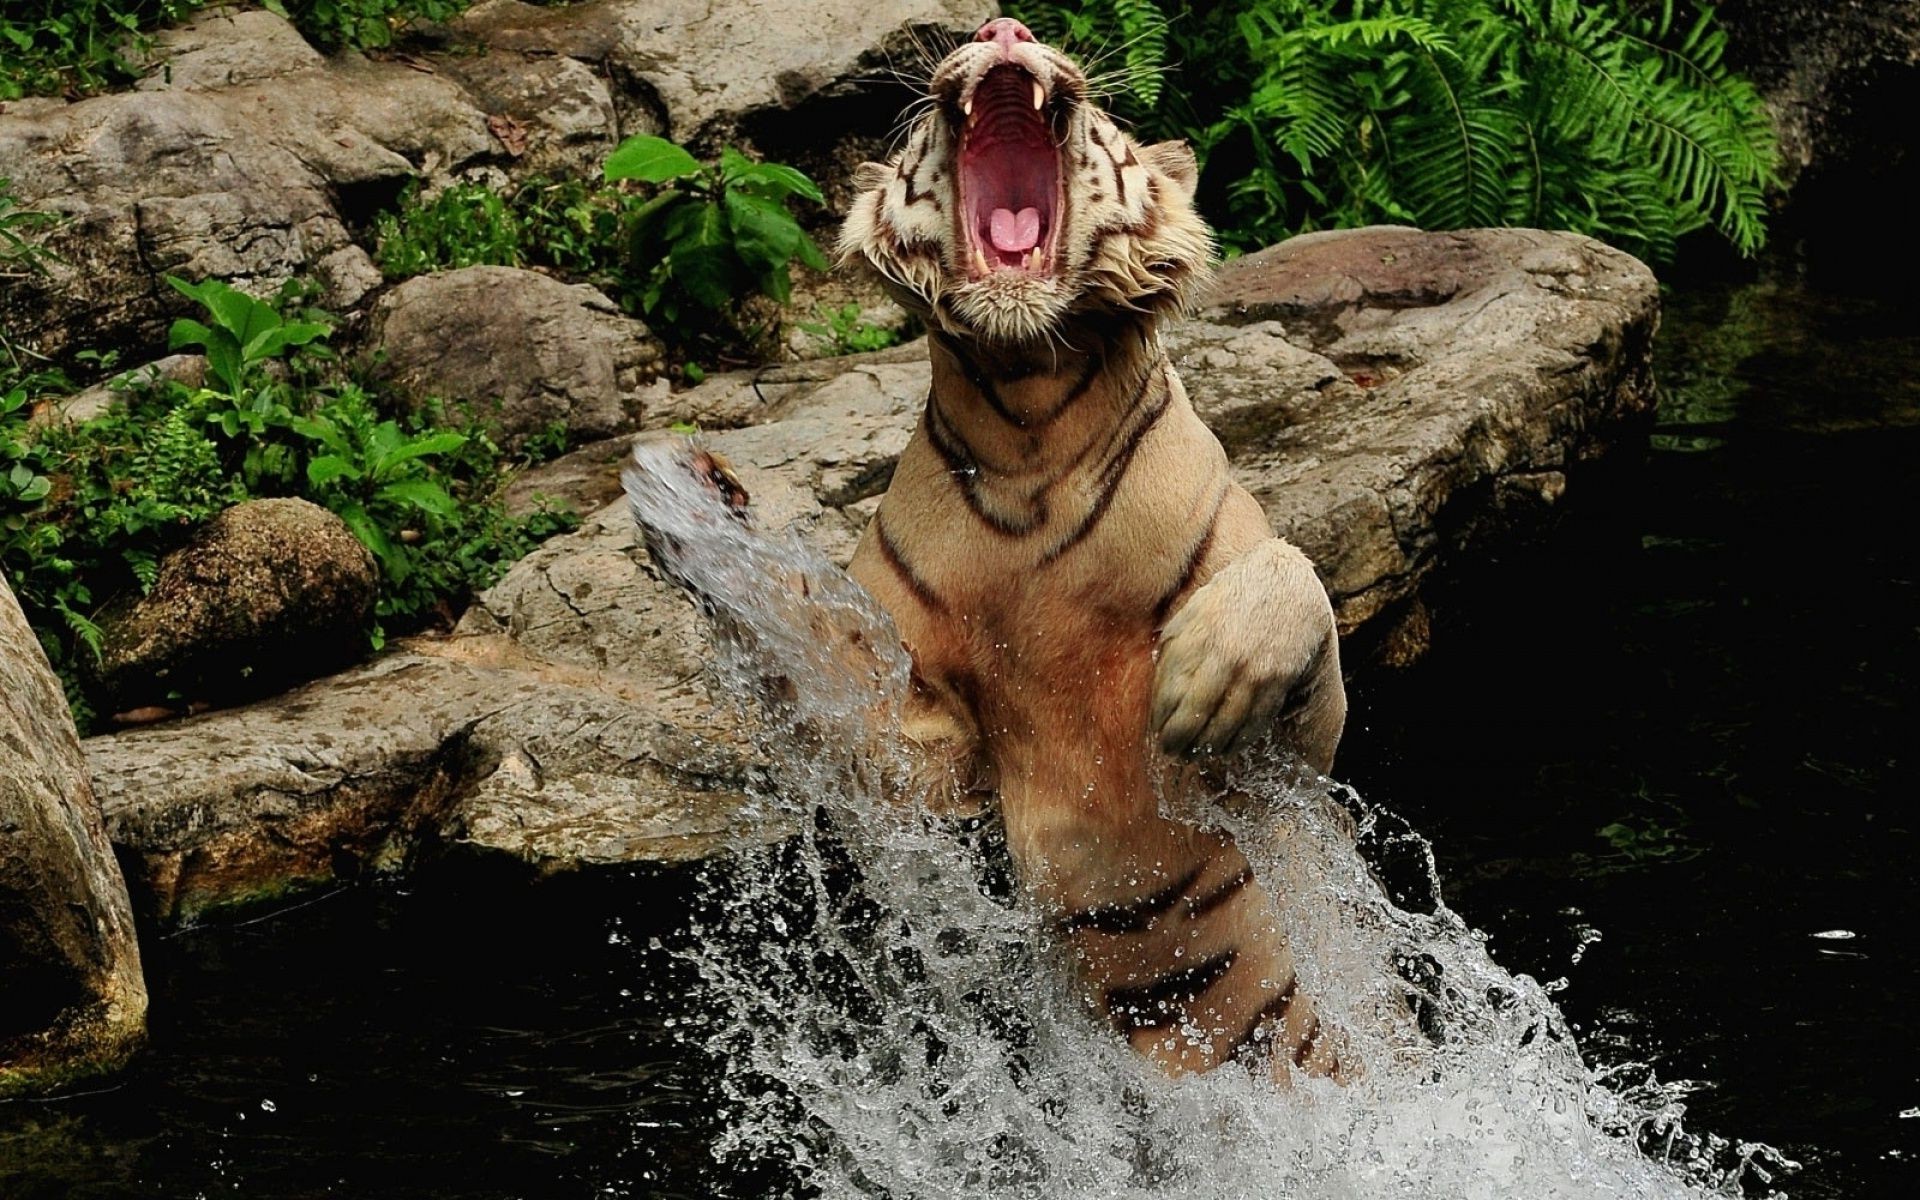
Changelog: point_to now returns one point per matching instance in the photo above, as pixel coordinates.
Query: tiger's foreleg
(1252, 648)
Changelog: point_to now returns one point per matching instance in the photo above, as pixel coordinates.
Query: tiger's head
(1017, 208)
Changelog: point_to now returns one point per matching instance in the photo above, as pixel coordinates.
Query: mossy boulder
(267, 594)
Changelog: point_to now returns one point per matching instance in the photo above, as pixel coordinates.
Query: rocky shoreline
(1383, 392)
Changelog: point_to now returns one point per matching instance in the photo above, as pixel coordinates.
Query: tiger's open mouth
(1009, 176)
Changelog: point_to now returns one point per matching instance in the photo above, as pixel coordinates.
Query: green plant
(1617, 118)
(244, 334)
(87, 511)
(842, 330)
(75, 47)
(465, 225)
(368, 24)
(710, 235)
(55, 47)
(680, 243)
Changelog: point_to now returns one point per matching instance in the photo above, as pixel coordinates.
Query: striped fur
(1082, 585)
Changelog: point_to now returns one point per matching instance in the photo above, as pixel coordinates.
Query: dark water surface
(1687, 721)
(1682, 721)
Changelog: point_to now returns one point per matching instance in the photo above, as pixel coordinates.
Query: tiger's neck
(1016, 409)
(1026, 433)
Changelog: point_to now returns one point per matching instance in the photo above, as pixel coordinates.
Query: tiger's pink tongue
(1014, 232)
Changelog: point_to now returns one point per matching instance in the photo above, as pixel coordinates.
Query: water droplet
(269, 1106)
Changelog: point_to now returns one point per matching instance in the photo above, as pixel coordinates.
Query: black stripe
(921, 590)
(1159, 1004)
(1079, 389)
(1221, 894)
(1132, 917)
(1195, 557)
(1115, 470)
(965, 472)
(1258, 1032)
(953, 451)
(912, 175)
(1305, 1050)
(979, 380)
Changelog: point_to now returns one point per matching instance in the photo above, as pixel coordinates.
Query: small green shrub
(466, 225)
(72, 47)
(677, 242)
(368, 24)
(711, 234)
(87, 511)
(76, 47)
(843, 331)
(1617, 118)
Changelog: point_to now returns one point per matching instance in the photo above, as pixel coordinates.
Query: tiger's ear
(870, 175)
(1174, 160)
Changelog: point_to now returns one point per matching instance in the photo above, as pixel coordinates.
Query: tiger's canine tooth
(1039, 94)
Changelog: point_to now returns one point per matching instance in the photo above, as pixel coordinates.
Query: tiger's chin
(1010, 309)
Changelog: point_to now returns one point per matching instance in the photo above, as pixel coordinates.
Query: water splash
(894, 1022)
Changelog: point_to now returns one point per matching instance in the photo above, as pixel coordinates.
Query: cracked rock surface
(1384, 392)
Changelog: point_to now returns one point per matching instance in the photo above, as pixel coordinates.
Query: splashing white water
(896, 1023)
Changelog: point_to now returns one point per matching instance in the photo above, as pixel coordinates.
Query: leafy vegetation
(710, 234)
(680, 243)
(1616, 118)
(75, 47)
(844, 330)
(88, 510)
(368, 24)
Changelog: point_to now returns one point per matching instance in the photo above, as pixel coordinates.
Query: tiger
(1090, 602)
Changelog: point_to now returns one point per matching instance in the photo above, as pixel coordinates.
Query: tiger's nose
(1005, 31)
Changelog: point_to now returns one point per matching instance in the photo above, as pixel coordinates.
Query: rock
(701, 71)
(526, 350)
(565, 108)
(75, 1002)
(244, 160)
(1838, 78)
(1464, 358)
(268, 593)
(1385, 393)
(223, 47)
(98, 400)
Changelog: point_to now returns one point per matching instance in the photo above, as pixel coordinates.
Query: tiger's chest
(1034, 621)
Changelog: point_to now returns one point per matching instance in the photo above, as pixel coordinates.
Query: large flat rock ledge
(1383, 392)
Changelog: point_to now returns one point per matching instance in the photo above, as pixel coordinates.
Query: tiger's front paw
(1253, 646)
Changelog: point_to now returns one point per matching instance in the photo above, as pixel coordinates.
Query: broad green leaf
(186, 331)
(650, 160)
(423, 494)
(422, 447)
(273, 341)
(764, 232)
(329, 467)
(375, 539)
(775, 180)
(701, 259)
(810, 254)
(319, 429)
